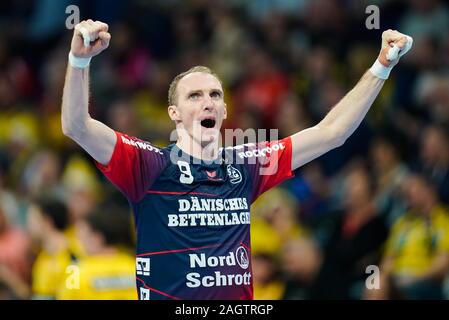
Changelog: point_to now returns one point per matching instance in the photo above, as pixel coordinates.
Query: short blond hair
(172, 91)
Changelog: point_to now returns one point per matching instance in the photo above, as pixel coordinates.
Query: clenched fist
(394, 46)
(90, 38)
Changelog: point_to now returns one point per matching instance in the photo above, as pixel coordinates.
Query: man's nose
(208, 104)
(209, 107)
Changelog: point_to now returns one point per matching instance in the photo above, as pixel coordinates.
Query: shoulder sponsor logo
(234, 174)
(141, 145)
(262, 152)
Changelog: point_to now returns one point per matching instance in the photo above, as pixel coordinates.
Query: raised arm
(93, 136)
(347, 115)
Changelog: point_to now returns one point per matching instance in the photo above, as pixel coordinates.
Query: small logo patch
(234, 175)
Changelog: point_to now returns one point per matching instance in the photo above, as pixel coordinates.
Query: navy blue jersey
(192, 218)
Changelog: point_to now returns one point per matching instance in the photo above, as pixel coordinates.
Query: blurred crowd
(379, 200)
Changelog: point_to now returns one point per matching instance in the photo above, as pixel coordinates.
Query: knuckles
(393, 35)
(92, 26)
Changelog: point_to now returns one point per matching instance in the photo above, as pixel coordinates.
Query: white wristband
(77, 62)
(379, 70)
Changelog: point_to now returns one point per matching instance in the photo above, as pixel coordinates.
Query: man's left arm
(347, 115)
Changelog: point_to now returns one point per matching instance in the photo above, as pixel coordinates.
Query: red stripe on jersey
(245, 246)
(182, 193)
(176, 250)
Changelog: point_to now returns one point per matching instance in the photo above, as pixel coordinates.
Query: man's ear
(225, 113)
(173, 113)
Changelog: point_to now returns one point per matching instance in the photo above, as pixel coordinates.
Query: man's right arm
(93, 136)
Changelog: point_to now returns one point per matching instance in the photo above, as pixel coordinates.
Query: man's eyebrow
(200, 91)
(217, 90)
(193, 91)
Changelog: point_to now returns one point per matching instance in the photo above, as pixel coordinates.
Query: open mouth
(208, 123)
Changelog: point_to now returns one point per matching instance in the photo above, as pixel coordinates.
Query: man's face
(89, 239)
(200, 108)
(432, 144)
(35, 222)
(357, 189)
(417, 192)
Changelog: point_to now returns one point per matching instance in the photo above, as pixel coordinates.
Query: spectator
(301, 260)
(434, 158)
(275, 216)
(389, 174)
(417, 252)
(354, 239)
(107, 272)
(267, 285)
(47, 220)
(15, 246)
